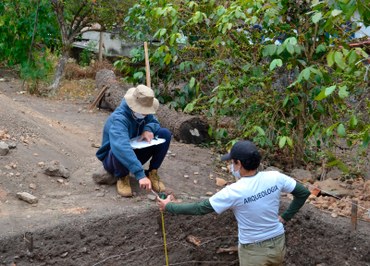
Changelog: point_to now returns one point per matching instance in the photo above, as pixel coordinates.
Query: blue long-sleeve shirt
(119, 128)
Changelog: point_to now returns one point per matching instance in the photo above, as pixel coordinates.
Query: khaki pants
(270, 252)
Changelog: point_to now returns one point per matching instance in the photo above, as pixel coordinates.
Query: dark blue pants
(156, 152)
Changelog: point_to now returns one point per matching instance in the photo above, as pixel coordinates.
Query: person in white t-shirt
(254, 199)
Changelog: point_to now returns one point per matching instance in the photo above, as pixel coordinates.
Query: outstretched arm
(300, 194)
(197, 208)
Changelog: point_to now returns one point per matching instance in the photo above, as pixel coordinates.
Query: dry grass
(75, 71)
(79, 82)
(79, 89)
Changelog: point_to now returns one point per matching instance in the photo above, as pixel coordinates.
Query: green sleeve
(197, 208)
(300, 194)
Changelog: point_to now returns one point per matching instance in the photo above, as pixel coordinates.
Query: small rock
(333, 187)
(151, 197)
(366, 190)
(32, 186)
(186, 176)
(195, 181)
(302, 175)
(273, 168)
(12, 145)
(27, 197)
(196, 173)
(209, 193)
(65, 254)
(334, 174)
(55, 168)
(102, 194)
(220, 182)
(103, 177)
(4, 148)
(95, 145)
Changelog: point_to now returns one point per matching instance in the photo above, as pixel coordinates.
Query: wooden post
(100, 56)
(354, 215)
(147, 68)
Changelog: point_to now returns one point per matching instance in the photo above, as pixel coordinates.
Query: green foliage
(87, 55)
(57, 24)
(17, 30)
(283, 70)
(40, 69)
(17, 20)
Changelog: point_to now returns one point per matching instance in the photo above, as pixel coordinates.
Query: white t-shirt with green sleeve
(255, 202)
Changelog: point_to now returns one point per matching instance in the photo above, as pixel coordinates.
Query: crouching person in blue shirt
(134, 118)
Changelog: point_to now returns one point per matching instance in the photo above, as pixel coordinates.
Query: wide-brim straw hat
(141, 100)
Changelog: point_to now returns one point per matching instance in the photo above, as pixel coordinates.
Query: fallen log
(184, 127)
(114, 91)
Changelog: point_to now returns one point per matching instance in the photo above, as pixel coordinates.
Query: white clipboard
(136, 144)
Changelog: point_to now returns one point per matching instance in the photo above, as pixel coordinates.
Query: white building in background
(113, 44)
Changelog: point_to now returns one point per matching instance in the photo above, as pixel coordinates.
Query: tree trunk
(69, 29)
(114, 91)
(58, 73)
(184, 127)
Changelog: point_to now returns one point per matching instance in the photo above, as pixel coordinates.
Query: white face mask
(236, 174)
(139, 116)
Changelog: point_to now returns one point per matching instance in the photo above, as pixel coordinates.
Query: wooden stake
(147, 68)
(354, 215)
(98, 98)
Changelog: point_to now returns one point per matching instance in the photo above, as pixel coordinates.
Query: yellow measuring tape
(163, 230)
(164, 239)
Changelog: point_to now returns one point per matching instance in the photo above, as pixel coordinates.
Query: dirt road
(46, 130)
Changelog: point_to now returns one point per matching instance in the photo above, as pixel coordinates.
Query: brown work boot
(123, 186)
(157, 185)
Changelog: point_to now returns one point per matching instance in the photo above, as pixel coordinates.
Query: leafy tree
(283, 69)
(17, 21)
(27, 34)
(76, 17)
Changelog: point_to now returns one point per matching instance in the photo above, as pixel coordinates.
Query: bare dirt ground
(77, 222)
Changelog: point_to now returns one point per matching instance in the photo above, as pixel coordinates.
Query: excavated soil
(77, 222)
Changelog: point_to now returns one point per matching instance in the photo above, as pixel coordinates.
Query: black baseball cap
(242, 150)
